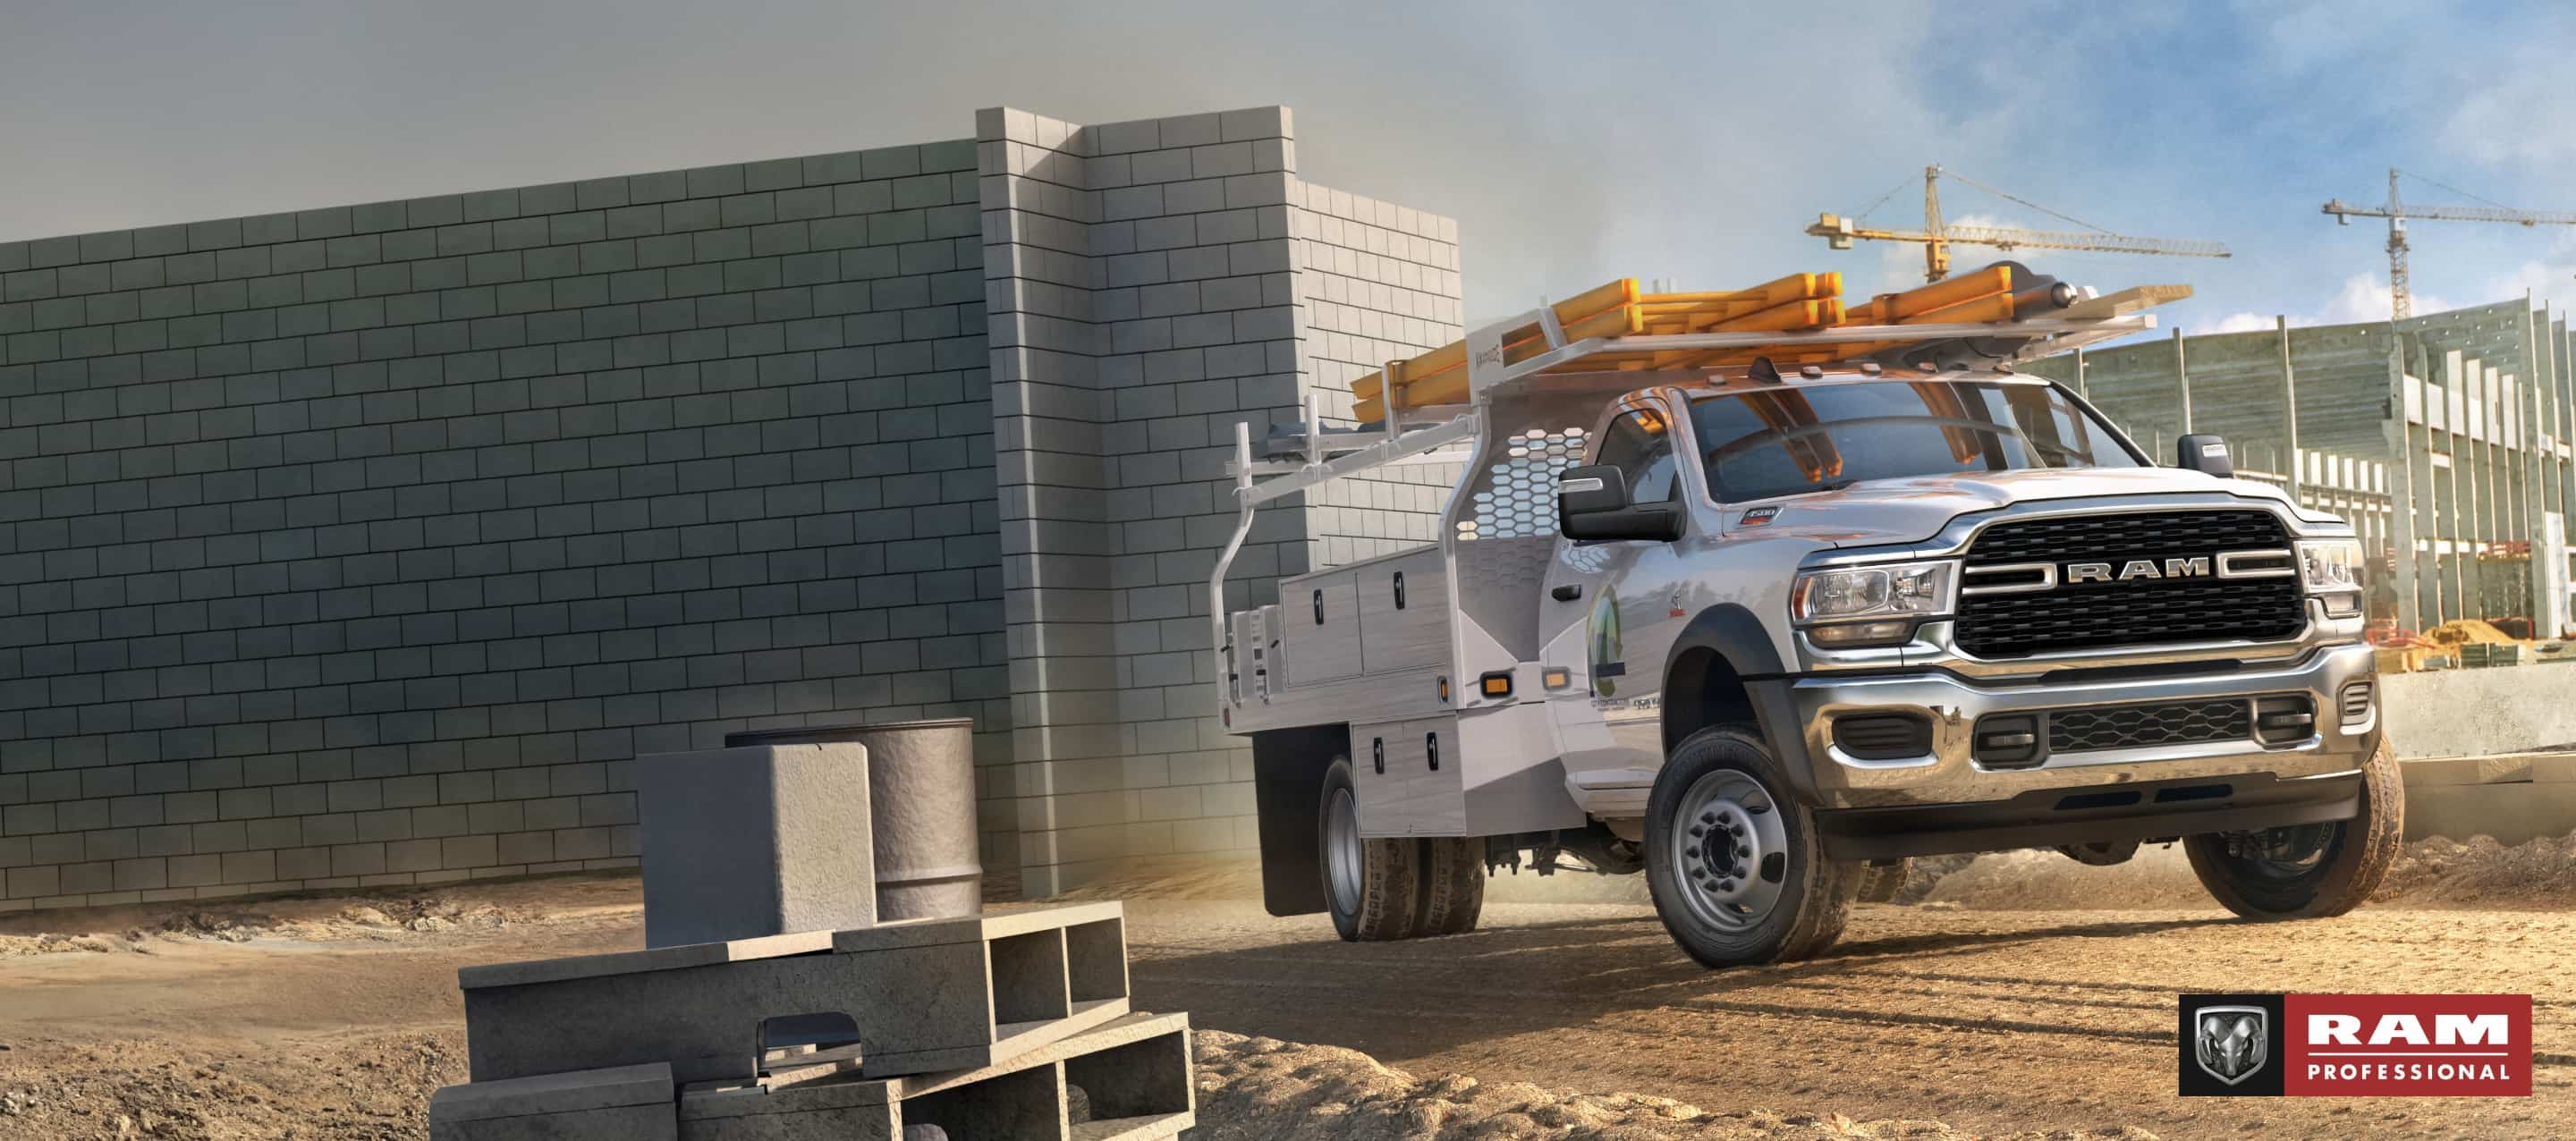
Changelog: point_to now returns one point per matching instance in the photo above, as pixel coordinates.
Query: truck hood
(1886, 512)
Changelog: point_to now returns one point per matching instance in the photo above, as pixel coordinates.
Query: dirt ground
(2025, 996)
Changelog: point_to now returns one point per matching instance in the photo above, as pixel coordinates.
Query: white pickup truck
(1763, 633)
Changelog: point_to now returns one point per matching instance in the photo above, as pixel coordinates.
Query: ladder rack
(1983, 321)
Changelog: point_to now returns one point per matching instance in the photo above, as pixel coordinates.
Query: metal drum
(921, 798)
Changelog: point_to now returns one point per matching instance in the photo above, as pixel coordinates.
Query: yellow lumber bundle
(1800, 302)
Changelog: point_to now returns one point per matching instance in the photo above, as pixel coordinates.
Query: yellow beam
(1615, 295)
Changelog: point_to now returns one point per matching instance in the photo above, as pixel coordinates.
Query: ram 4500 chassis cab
(1763, 634)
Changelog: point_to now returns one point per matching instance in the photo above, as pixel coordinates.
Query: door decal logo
(1606, 655)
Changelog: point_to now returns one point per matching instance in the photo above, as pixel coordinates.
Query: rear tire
(1372, 888)
(1769, 895)
(1879, 883)
(2309, 871)
(1453, 885)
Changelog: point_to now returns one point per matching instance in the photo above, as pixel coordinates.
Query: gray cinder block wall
(360, 545)
(364, 545)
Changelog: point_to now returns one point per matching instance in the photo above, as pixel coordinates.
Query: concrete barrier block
(755, 841)
(1128, 1080)
(917, 997)
(627, 1103)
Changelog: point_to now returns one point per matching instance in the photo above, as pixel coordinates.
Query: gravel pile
(1263, 1089)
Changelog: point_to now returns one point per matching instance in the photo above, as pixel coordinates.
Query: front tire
(2308, 871)
(1736, 868)
(1372, 888)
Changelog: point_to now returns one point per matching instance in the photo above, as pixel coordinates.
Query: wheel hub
(1730, 850)
(1342, 855)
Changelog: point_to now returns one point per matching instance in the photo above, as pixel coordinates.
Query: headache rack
(1416, 410)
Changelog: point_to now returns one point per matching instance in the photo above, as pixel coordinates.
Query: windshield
(1788, 440)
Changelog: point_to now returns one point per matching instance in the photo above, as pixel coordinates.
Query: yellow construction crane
(2401, 303)
(1937, 236)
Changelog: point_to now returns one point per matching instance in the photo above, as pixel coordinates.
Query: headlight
(2331, 569)
(2330, 565)
(1894, 590)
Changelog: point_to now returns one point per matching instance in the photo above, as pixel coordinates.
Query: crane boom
(2008, 237)
(2455, 213)
(1938, 235)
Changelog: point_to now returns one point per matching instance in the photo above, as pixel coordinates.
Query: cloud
(2363, 298)
(2238, 323)
(2522, 111)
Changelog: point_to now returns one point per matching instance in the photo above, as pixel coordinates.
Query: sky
(1573, 143)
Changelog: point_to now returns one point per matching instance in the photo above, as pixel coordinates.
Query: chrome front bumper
(1949, 774)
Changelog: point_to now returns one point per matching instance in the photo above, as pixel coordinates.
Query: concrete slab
(616, 1104)
(2479, 713)
(993, 924)
(649, 959)
(753, 841)
(997, 987)
(1133, 1073)
(2512, 813)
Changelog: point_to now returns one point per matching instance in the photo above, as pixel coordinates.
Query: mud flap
(1287, 794)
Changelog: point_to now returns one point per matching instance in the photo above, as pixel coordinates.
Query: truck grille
(2131, 726)
(2097, 615)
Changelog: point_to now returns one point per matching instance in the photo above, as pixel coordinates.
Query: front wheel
(2308, 871)
(1736, 869)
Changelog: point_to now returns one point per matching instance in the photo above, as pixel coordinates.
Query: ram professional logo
(2134, 569)
(2231, 1042)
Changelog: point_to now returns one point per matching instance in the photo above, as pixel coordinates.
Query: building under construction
(2443, 437)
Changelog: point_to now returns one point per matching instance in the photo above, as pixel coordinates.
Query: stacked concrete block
(1126, 1081)
(923, 996)
(629, 1102)
(755, 841)
(905, 1028)
(976, 1026)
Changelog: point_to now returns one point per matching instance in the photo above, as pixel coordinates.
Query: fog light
(1861, 633)
(2008, 741)
(1883, 736)
(2284, 720)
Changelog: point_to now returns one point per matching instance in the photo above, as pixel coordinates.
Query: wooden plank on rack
(1453, 356)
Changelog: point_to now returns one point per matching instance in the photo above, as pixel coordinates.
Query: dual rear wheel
(1401, 888)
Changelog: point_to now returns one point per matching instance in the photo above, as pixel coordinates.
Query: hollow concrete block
(1132, 1074)
(919, 996)
(628, 1103)
(755, 841)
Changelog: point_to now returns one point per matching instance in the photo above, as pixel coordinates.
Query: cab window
(1640, 444)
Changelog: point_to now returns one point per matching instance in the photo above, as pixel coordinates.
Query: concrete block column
(1150, 285)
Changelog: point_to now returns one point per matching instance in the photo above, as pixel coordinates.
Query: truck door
(1611, 610)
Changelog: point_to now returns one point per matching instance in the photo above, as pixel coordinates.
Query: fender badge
(1757, 516)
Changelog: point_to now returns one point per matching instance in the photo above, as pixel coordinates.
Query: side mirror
(2204, 452)
(1592, 504)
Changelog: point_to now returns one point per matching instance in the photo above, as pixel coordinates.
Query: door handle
(1566, 593)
